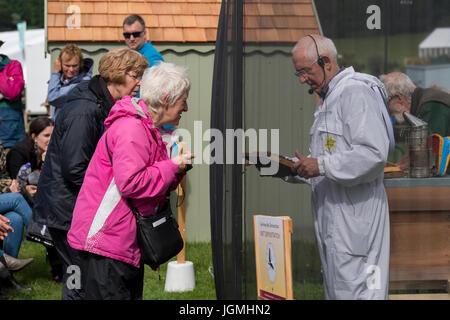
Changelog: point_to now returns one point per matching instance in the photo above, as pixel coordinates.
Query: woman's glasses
(135, 77)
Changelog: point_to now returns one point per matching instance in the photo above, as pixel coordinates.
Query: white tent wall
(35, 64)
(37, 75)
(435, 44)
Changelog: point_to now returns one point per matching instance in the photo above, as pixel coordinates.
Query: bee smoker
(419, 147)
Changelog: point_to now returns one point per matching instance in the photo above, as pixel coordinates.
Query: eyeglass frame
(127, 35)
(135, 77)
(304, 71)
(395, 95)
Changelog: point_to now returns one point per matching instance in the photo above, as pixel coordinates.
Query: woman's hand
(182, 160)
(4, 227)
(31, 189)
(15, 187)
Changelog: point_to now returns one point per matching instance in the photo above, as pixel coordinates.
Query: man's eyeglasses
(303, 71)
(127, 35)
(391, 97)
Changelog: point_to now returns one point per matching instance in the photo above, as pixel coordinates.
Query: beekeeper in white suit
(350, 140)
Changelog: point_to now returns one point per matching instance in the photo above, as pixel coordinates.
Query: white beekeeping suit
(351, 137)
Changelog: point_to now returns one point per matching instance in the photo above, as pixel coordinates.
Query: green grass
(39, 277)
(200, 255)
(308, 291)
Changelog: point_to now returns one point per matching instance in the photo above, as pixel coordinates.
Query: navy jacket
(78, 128)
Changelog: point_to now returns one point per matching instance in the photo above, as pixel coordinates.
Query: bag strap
(133, 209)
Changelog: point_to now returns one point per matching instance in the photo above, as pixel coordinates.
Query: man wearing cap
(12, 129)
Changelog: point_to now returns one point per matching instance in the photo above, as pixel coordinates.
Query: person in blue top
(69, 70)
(136, 39)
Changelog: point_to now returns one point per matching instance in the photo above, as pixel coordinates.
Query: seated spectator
(8, 263)
(6, 183)
(13, 210)
(4, 228)
(69, 69)
(14, 207)
(11, 86)
(32, 149)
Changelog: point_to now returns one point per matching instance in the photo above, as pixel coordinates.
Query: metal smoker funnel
(414, 121)
(419, 152)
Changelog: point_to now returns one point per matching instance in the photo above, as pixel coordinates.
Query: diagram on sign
(271, 263)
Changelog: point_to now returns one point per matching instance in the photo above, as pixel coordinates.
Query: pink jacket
(102, 221)
(11, 80)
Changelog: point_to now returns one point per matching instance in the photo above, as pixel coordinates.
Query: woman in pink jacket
(103, 225)
(12, 129)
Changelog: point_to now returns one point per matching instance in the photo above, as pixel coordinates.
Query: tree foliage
(14, 11)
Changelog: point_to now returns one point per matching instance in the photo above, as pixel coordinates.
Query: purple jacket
(102, 220)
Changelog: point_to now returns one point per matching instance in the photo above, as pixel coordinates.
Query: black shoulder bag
(158, 236)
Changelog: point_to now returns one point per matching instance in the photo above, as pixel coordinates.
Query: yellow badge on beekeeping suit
(330, 143)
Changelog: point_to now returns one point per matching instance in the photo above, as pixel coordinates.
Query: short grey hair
(161, 80)
(398, 83)
(325, 46)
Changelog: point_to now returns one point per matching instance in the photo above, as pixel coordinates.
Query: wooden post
(181, 192)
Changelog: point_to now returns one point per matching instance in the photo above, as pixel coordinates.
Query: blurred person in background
(69, 69)
(15, 215)
(32, 149)
(135, 37)
(12, 129)
(432, 105)
(9, 264)
(14, 207)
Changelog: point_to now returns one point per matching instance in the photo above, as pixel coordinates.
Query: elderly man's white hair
(325, 46)
(398, 83)
(164, 79)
